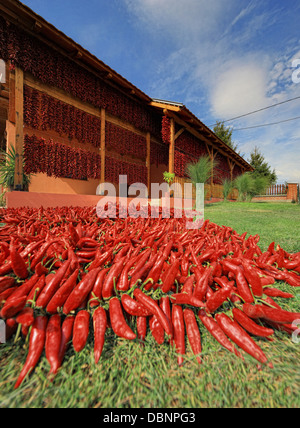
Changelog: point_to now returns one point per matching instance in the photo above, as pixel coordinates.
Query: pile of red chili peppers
(65, 273)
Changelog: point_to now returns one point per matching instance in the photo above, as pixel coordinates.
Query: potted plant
(7, 171)
(169, 178)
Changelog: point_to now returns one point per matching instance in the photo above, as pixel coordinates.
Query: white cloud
(214, 53)
(239, 89)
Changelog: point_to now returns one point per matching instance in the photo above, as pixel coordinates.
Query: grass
(131, 375)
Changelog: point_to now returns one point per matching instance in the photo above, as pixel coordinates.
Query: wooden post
(172, 148)
(103, 120)
(148, 161)
(231, 167)
(19, 143)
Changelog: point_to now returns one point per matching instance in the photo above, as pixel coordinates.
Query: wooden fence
(277, 190)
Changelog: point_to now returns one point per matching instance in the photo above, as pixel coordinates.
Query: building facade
(74, 122)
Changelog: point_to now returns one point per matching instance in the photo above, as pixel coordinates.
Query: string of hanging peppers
(166, 130)
(125, 142)
(58, 160)
(159, 155)
(115, 167)
(43, 112)
(52, 68)
(65, 273)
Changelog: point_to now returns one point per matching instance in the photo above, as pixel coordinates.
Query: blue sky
(221, 58)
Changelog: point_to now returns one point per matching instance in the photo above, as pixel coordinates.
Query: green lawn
(132, 375)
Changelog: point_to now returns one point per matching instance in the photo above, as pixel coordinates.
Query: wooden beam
(12, 95)
(172, 148)
(200, 136)
(103, 151)
(231, 167)
(165, 106)
(19, 143)
(179, 133)
(148, 161)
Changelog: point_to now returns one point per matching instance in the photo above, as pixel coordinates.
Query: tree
(225, 134)
(262, 168)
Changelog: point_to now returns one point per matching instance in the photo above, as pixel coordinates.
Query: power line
(258, 111)
(267, 124)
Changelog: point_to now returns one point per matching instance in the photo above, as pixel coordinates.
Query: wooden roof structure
(22, 16)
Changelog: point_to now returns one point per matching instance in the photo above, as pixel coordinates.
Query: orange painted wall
(40, 183)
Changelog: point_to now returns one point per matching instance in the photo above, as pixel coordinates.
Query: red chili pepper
(265, 312)
(134, 308)
(150, 304)
(188, 286)
(140, 261)
(6, 294)
(185, 263)
(249, 325)
(274, 292)
(81, 330)
(62, 294)
(243, 287)
(218, 298)
(13, 307)
(155, 273)
(291, 278)
(37, 288)
(7, 267)
(215, 330)
(11, 327)
(193, 333)
(179, 332)
(101, 258)
(96, 293)
(253, 279)
(66, 336)
(18, 264)
(50, 289)
(229, 266)
(38, 257)
(6, 283)
(202, 283)
(111, 279)
(170, 277)
(26, 317)
(81, 292)
(118, 322)
(74, 237)
(36, 347)
(141, 326)
(143, 271)
(100, 326)
(157, 330)
(239, 336)
(25, 288)
(166, 307)
(187, 299)
(123, 283)
(267, 280)
(53, 342)
(41, 270)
